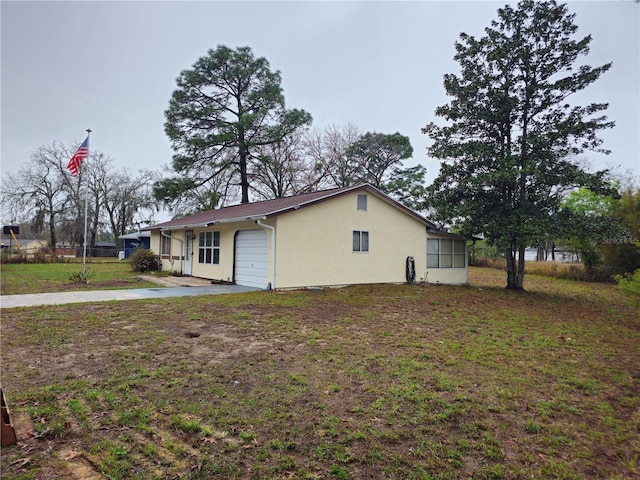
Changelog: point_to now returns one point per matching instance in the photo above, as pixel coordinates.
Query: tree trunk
(520, 285)
(94, 223)
(244, 181)
(243, 152)
(122, 227)
(515, 269)
(52, 231)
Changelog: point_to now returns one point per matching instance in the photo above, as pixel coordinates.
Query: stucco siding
(449, 276)
(222, 271)
(173, 261)
(314, 244)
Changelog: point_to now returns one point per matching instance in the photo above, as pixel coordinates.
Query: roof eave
(188, 226)
(442, 232)
(252, 218)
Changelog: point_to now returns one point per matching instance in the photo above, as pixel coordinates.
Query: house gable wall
(315, 244)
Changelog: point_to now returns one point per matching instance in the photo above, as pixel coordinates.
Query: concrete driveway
(182, 287)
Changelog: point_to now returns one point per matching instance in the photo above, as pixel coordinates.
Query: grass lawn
(366, 382)
(23, 278)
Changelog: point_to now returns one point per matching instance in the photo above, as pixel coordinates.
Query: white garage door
(251, 258)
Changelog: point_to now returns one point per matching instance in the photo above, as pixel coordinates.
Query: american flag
(76, 161)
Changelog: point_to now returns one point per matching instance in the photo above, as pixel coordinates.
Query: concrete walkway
(174, 287)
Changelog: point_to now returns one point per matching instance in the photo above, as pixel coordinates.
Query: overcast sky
(112, 66)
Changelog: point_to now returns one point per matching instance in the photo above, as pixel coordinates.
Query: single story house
(29, 246)
(131, 241)
(344, 236)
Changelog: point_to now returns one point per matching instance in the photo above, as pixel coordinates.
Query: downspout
(181, 248)
(273, 253)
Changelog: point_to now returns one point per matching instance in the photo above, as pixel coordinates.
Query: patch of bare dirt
(94, 285)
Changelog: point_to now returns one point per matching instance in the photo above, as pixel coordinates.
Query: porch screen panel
(459, 253)
(446, 253)
(433, 253)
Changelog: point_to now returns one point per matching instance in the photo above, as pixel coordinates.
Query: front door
(188, 253)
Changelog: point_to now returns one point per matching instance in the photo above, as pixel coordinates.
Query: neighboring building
(100, 249)
(344, 236)
(103, 249)
(29, 246)
(132, 241)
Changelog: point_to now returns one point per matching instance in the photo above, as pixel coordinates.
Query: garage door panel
(255, 251)
(248, 263)
(251, 258)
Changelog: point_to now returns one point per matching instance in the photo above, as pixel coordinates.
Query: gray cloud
(111, 66)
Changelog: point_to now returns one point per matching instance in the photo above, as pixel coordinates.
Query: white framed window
(209, 247)
(362, 203)
(446, 253)
(165, 248)
(360, 241)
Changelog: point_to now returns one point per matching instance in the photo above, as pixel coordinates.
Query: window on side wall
(209, 247)
(362, 203)
(446, 253)
(360, 241)
(166, 246)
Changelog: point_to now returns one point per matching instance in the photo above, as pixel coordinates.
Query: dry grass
(365, 382)
(564, 270)
(567, 271)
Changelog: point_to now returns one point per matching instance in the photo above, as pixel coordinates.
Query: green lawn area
(365, 382)
(24, 278)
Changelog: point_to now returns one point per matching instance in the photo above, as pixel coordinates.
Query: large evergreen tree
(509, 147)
(226, 107)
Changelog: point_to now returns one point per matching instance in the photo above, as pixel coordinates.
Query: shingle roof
(267, 208)
(135, 235)
(6, 241)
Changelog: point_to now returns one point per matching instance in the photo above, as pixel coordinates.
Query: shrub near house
(144, 260)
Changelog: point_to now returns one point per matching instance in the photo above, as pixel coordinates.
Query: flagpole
(86, 208)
